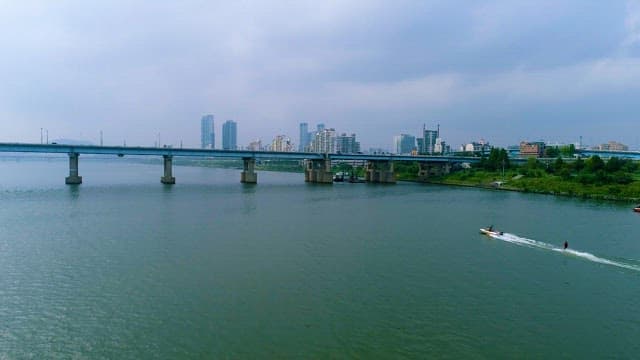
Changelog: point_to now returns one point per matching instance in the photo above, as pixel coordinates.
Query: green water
(124, 267)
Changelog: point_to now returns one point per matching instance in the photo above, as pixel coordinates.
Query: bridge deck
(211, 153)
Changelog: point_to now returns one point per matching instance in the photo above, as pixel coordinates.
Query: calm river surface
(125, 267)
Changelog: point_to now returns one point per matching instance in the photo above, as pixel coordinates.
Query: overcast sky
(503, 71)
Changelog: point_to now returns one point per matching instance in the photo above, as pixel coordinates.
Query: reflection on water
(74, 191)
(210, 267)
(249, 198)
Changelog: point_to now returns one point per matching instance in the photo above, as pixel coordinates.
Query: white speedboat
(491, 232)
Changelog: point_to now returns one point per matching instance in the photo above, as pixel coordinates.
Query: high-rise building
(255, 145)
(441, 147)
(207, 133)
(320, 128)
(428, 143)
(282, 143)
(324, 141)
(347, 144)
(229, 135)
(404, 144)
(305, 137)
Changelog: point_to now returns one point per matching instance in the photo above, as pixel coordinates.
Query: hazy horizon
(503, 71)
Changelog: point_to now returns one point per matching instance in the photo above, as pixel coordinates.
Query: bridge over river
(379, 168)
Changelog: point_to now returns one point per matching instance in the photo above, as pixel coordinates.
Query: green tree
(630, 166)
(578, 165)
(568, 150)
(614, 164)
(621, 177)
(551, 152)
(594, 164)
(559, 164)
(556, 166)
(532, 163)
(498, 158)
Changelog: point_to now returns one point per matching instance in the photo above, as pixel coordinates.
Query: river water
(125, 267)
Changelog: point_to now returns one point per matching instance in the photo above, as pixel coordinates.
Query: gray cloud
(502, 70)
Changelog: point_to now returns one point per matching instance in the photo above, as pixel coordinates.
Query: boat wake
(514, 239)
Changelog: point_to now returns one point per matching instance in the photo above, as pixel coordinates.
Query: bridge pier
(249, 175)
(168, 176)
(73, 178)
(429, 169)
(318, 171)
(380, 171)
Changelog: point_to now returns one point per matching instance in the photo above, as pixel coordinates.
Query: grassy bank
(546, 184)
(594, 178)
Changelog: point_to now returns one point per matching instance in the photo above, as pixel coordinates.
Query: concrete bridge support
(318, 171)
(430, 169)
(73, 178)
(249, 175)
(380, 171)
(168, 176)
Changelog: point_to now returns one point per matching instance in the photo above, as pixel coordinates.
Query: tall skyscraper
(404, 144)
(324, 141)
(429, 140)
(207, 133)
(255, 146)
(347, 144)
(229, 135)
(282, 143)
(305, 137)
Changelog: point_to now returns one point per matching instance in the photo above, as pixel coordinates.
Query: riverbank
(548, 185)
(520, 179)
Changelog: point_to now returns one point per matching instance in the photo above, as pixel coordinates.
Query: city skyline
(500, 70)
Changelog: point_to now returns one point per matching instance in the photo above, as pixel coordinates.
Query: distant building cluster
(429, 144)
(255, 145)
(208, 134)
(323, 141)
(612, 146)
(481, 147)
(532, 149)
(347, 144)
(326, 140)
(281, 143)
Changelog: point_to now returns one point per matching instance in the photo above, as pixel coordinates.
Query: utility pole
(40, 136)
(100, 137)
(47, 130)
